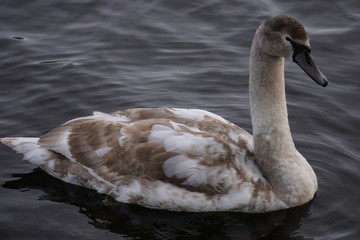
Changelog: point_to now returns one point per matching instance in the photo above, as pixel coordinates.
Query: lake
(65, 59)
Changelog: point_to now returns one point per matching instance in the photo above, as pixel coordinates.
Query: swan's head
(283, 36)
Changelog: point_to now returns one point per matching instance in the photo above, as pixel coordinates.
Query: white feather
(160, 133)
(102, 151)
(111, 117)
(31, 150)
(195, 114)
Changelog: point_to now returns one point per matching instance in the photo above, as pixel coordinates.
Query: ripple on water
(65, 59)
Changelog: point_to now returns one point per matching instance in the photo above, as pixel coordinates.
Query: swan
(190, 159)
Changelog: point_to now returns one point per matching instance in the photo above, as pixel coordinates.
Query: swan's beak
(304, 60)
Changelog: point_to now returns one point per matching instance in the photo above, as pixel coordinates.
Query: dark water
(64, 59)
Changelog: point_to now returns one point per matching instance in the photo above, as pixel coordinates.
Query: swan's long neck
(267, 98)
(291, 177)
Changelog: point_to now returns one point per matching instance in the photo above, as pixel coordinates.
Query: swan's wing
(147, 155)
(154, 143)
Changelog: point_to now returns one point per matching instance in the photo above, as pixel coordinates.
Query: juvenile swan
(190, 159)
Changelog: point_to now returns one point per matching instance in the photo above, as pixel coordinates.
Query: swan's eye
(288, 39)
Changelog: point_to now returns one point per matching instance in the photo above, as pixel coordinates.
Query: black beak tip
(325, 83)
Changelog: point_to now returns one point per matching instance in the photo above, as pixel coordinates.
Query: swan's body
(188, 159)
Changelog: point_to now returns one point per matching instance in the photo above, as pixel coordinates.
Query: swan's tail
(29, 147)
(56, 164)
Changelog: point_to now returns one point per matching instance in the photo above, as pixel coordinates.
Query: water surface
(64, 59)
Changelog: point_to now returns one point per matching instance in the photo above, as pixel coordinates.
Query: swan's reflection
(141, 223)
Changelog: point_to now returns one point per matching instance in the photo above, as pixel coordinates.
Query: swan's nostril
(308, 59)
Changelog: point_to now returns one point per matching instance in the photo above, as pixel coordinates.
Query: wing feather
(189, 148)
